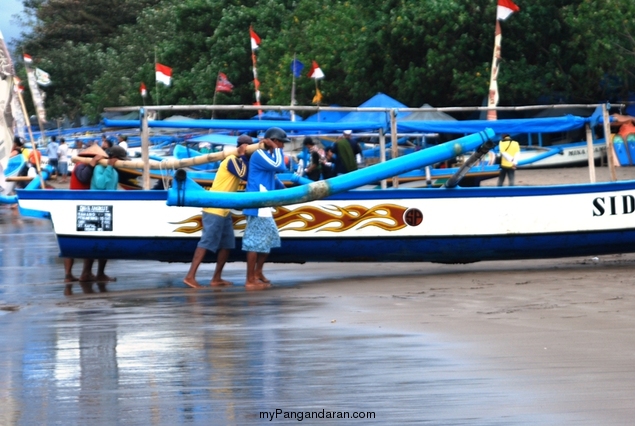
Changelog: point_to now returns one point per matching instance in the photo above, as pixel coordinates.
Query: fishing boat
(331, 221)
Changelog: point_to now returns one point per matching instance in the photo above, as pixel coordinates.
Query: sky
(10, 29)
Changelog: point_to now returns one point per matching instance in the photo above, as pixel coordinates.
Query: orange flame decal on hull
(190, 229)
(385, 216)
(389, 217)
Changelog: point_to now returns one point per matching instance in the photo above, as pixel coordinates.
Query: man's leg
(260, 263)
(501, 177)
(68, 270)
(101, 275)
(510, 176)
(221, 259)
(190, 278)
(251, 268)
(87, 274)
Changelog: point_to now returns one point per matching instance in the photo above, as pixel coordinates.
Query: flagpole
(156, 82)
(292, 112)
(504, 8)
(492, 98)
(215, 92)
(21, 99)
(256, 81)
(33, 141)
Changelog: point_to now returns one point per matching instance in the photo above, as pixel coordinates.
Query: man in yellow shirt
(218, 228)
(508, 150)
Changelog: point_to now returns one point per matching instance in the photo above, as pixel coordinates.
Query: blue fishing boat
(332, 221)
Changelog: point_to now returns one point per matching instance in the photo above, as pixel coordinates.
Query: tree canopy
(431, 51)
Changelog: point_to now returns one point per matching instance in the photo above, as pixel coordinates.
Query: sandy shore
(563, 329)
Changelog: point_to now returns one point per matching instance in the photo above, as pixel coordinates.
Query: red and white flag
(18, 84)
(505, 8)
(164, 74)
(223, 84)
(316, 71)
(143, 90)
(255, 40)
(28, 59)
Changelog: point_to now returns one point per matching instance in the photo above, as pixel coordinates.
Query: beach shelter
(428, 115)
(380, 100)
(326, 116)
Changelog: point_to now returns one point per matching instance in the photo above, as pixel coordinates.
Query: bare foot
(256, 285)
(220, 283)
(70, 278)
(192, 283)
(86, 278)
(104, 278)
(262, 278)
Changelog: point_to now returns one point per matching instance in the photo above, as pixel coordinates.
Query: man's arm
(105, 177)
(84, 173)
(263, 161)
(238, 166)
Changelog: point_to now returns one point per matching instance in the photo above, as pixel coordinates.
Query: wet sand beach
(539, 342)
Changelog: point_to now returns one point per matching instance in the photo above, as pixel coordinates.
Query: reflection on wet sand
(150, 352)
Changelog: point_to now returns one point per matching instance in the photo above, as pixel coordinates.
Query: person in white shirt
(123, 142)
(62, 160)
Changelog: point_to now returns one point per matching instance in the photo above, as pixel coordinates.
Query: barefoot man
(218, 228)
(261, 232)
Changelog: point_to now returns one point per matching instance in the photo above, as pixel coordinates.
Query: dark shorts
(261, 234)
(218, 232)
(53, 163)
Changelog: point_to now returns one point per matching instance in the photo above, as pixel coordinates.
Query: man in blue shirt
(261, 232)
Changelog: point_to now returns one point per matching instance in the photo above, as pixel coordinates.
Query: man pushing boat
(261, 233)
(218, 228)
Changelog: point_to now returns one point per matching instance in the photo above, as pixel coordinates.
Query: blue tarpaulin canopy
(250, 125)
(512, 126)
(380, 100)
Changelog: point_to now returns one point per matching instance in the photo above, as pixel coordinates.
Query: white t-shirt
(62, 152)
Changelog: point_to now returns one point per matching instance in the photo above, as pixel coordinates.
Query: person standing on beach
(314, 168)
(261, 232)
(51, 152)
(218, 227)
(508, 150)
(62, 160)
(80, 180)
(346, 150)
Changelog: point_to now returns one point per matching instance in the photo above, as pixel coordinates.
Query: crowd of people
(342, 157)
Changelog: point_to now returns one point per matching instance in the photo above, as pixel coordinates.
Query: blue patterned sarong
(261, 234)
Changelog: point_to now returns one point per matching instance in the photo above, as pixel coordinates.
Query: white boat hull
(438, 225)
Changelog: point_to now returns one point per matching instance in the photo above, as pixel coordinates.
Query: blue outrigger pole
(186, 192)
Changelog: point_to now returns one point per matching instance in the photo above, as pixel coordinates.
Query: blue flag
(297, 67)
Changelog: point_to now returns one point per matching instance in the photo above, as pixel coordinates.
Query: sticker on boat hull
(94, 218)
